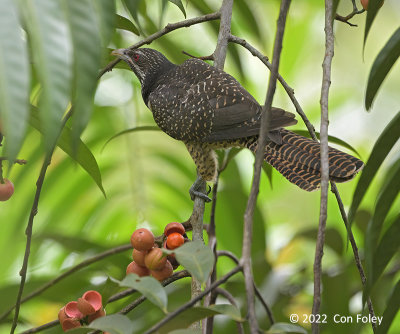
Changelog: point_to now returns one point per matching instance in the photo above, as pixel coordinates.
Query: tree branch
(231, 299)
(193, 301)
(248, 216)
(355, 250)
(167, 29)
(69, 272)
(28, 231)
(326, 82)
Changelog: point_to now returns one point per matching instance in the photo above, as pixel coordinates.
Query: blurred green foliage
(146, 175)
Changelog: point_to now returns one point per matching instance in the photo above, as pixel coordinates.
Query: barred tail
(298, 160)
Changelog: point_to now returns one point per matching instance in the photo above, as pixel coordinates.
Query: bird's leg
(198, 189)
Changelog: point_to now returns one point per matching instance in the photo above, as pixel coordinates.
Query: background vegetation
(146, 174)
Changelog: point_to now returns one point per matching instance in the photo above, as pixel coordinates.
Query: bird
(208, 109)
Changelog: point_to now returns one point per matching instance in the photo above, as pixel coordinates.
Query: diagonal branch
(167, 29)
(69, 272)
(193, 301)
(29, 228)
(248, 216)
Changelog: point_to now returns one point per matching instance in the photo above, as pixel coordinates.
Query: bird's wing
(238, 115)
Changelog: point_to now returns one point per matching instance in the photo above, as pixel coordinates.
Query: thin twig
(311, 130)
(326, 82)
(28, 231)
(69, 272)
(41, 328)
(355, 250)
(232, 300)
(257, 291)
(248, 216)
(289, 90)
(176, 276)
(346, 18)
(193, 301)
(167, 29)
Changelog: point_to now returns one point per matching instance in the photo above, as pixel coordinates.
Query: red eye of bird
(135, 57)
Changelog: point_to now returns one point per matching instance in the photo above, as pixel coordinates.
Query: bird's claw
(194, 190)
(195, 193)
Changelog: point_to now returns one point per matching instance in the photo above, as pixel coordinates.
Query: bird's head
(145, 63)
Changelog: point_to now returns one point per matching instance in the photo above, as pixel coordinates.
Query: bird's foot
(196, 190)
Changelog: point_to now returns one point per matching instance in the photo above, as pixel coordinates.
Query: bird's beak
(121, 54)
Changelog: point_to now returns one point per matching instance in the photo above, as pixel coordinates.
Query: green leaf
(14, 79)
(387, 248)
(373, 8)
(84, 156)
(125, 24)
(381, 149)
(376, 264)
(189, 316)
(114, 323)
(105, 13)
(180, 6)
(87, 58)
(136, 129)
(391, 310)
(149, 287)
(196, 257)
(381, 67)
(283, 328)
(51, 46)
(331, 139)
(227, 309)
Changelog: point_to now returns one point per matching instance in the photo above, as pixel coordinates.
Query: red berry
(138, 257)
(142, 239)
(175, 240)
(174, 228)
(155, 259)
(134, 268)
(164, 273)
(6, 190)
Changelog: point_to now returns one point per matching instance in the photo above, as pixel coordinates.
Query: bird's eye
(135, 57)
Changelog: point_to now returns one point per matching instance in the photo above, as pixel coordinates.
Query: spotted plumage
(208, 109)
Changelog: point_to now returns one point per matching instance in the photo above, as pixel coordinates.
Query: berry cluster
(148, 258)
(6, 190)
(82, 312)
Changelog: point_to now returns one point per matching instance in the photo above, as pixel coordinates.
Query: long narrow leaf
(14, 79)
(387, 248)
(105, 13)
(87, 56)
(382, 147)
(125, 24)
(180, 6)
(83, 156)
(51, 47)
(381, 67)
(373, 8)
(385, 201)
(391, 310)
